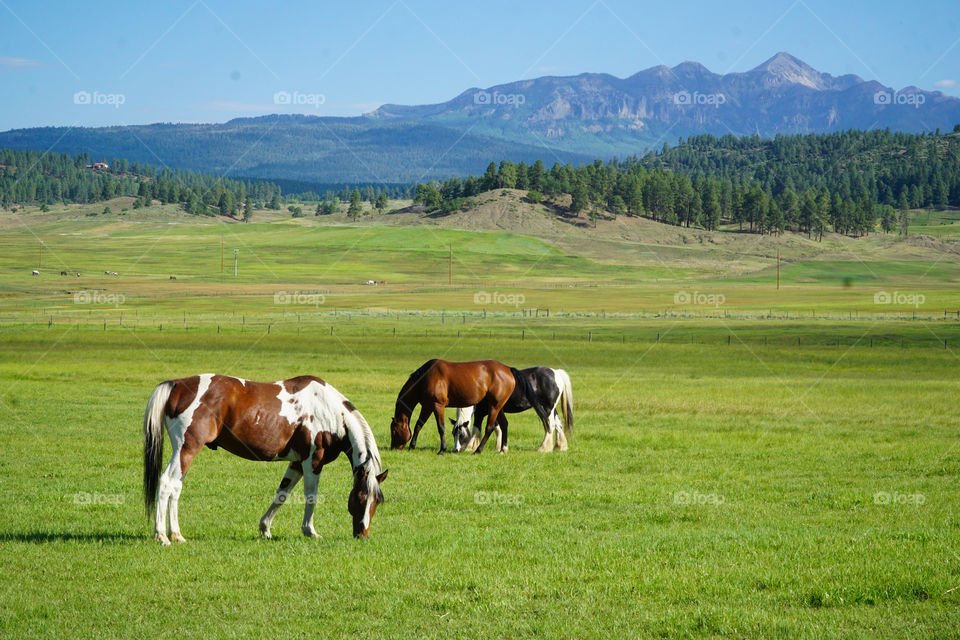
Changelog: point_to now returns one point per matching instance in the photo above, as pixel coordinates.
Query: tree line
(35, 178)
(847, 182)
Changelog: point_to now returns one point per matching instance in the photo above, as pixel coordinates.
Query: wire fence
(931, 330)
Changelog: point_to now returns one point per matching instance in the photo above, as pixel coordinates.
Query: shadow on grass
(43, 537)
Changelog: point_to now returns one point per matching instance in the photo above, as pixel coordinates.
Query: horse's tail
(566, 400)
(153, 443)
(526, 390)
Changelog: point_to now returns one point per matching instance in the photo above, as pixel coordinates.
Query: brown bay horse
(303, 420)
(438, 384)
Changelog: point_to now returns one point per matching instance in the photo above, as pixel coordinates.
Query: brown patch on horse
(349, 406)
(182, 396)
(328, 448)
(248, 421)
(293, 385)
(299, 443)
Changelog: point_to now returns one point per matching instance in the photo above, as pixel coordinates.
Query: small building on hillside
(98, 165)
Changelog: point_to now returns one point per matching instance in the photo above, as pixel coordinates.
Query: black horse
(553, 390)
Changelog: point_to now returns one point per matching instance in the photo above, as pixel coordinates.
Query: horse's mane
(361, 434)
(413, 379)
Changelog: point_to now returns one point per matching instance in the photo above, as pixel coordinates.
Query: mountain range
(552, 118)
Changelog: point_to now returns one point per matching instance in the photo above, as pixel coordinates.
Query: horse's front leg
(438, 414)
(416, 430)
(311, 483)
(491, 425)
(290, 479)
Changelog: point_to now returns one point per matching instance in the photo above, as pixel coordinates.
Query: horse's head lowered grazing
(364, 498)
(399, 431)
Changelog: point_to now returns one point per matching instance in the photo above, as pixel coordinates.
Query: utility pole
(221, 254)
(236, 260)
(41, 254)
(778, 269)
(450, 275)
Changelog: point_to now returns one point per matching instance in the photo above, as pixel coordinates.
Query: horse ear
(382, 476)
(452, 421)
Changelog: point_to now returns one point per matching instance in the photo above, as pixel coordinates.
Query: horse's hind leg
(169, 485)
(290, 479)
(491, 425)
(168, 482)
(416, 430)
(188, 450)
(438, 414)
(558, 428)
(547, 445)
(502, 433)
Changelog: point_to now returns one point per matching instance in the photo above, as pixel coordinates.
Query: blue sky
(209, 61)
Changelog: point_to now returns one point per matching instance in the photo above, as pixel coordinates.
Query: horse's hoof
(266, 535)
(504, 450)
(177, 537)
(162, 539)
(310, 534)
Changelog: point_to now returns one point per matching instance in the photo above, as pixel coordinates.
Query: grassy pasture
(761, 471)
(710, 490)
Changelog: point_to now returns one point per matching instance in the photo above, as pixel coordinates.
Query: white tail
(566, 400)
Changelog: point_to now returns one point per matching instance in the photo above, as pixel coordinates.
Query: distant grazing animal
(35, 272)
(63, 273)
(173, 277)
(555, 393)
(438, 384)
(302, 420)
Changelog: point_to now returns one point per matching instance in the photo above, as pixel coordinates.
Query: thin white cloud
(947, 84)
(19, 63)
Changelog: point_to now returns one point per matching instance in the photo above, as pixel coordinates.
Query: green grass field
(781, 464)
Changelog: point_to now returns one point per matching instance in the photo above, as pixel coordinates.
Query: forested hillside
(847, 182)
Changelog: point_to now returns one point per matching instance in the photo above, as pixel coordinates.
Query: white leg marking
(165, 489)
(175, 535)
(292, 476)
(558, 429)
(311, 483)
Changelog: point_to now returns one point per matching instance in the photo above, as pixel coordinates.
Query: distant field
(746, 461)
(557, 268)
(944, 224)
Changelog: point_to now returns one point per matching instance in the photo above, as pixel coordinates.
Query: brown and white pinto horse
(303, 420)
(438, 384)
